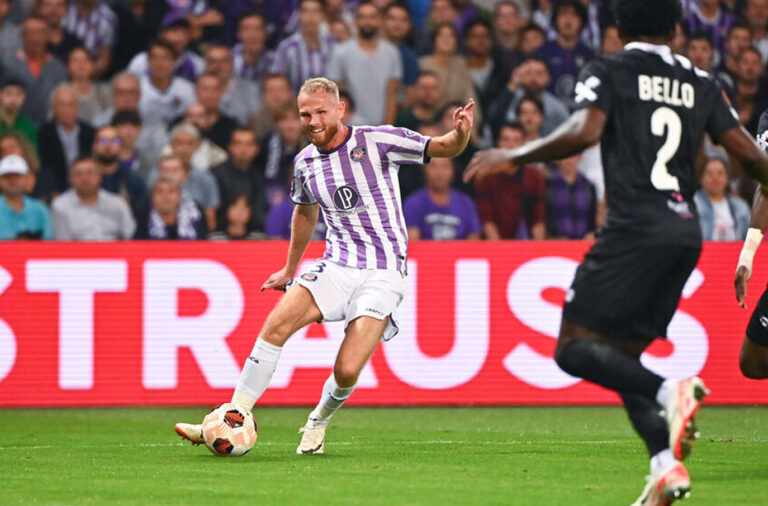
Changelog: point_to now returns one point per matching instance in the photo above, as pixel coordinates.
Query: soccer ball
(229, 430)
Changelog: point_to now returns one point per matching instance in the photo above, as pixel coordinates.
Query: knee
(563, 358)
(345, 373)
(751, 367)
(276, 330)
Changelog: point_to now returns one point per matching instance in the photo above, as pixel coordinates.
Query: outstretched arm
(580, 131)
(302, 226)
(454, 142)
(757, 225)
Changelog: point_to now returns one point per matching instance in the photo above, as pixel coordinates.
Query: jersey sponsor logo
(408, 133)
(346, 198)
(665, 91)
(358, 154)
(309, 276)
(586, 90)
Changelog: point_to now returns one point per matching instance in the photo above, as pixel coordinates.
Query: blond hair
(320, 83)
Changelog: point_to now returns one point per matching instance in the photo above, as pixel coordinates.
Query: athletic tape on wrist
(751, 243)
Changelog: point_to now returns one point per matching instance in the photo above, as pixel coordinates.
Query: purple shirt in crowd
(455, 221)
(278, 223)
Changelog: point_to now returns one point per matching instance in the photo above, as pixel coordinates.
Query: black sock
(609, 367)
(645, 417)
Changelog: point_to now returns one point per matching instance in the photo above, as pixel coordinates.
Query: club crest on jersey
(358, 154)
(345, 197)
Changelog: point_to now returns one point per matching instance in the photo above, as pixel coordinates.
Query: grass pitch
(520, 456)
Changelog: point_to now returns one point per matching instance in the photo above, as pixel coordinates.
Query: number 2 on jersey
(665, 121)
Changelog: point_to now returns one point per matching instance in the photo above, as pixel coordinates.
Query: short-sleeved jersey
(659, 106)
(358, 191)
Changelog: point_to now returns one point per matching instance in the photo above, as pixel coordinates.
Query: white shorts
(345, 293)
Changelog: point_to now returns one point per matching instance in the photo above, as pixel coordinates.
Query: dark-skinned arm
(581, 130)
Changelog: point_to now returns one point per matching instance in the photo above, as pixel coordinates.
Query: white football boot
(665, 487)
(679, 413)
(191, 432)
(313, 439)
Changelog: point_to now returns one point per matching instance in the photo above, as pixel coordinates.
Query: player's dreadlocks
(647, 18)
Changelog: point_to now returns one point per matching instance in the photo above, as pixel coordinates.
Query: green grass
(520, 456)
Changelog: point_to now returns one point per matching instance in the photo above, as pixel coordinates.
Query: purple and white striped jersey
(358, 191)
(97, 30)
(251, 72)
(294, 59)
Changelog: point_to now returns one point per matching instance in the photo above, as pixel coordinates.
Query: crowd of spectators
(177, 119)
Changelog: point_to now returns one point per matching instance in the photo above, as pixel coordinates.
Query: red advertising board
(172, 323)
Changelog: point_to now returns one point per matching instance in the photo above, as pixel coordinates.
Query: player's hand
(463, 118)
(487, 162)
(278, 280)
(740, 284)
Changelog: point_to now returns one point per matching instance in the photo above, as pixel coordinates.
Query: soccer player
(649, 109)
(350, 173)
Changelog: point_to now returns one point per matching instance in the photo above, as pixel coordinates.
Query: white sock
(332, 398)
(662, 461)
(665, 391)
(257, 373)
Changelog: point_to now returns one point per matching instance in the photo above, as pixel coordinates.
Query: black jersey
(659, 106)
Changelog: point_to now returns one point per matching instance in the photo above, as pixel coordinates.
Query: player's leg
(293, 311)
(360, 341)
(296, 309)
(753, 359)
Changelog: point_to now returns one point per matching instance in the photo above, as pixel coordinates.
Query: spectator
(700, 51)
(132, 159)
(209, 90)
(278, 149)
(252, 59)
(241, 97)
(567, 53)
(164, 96)
(532, 37)
(722, 217)
(204, 20)
(206, 153)
(751, 92)
(238, 221)
(9, 32)
(488, 75)
(512, 205)
(93, 22)
(397, 29)
(427, 100)
(87, 212)
(711, 18)
(543, 15)
(339, 30)
(21, 217)
(200, 185)
(755, 14)
(530, 78)
(241, 176)
(530, 115)
(176, 33)
(369, 68)
(92, 98)
(304, 54)
(63, 139)
(350, 116)
(571, 203)
(610, 42)
(738, 40)
(116, 177)
(507, 24)
(441, 12)
(450, 67)
(12, 96)
(36, 68)
(171, 216)
(13, 143)
(138, 23)
(126, 92)
(278, 224)
(466, 11)
(437, 211)
(60, 42)
(275, 93)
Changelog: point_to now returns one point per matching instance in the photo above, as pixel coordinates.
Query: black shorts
(627, 289)
(757, 329)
